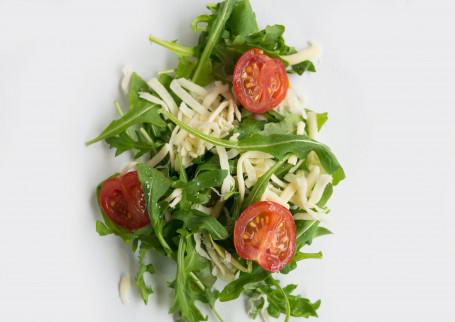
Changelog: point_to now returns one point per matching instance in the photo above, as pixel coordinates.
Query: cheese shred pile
(214, 111)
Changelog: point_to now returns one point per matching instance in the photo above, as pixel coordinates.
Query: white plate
(385, 77)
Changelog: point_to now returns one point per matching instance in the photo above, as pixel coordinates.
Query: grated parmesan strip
(318, 189)
(162, 92)
(125, 83)
(312, 125)
(192, 87)
(153, 99)
(159, 156)
(312, 178)
(187, 98)
(303, 55)
(218, 110)
(186, 111)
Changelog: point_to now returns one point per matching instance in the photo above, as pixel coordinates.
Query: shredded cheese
(125, 84)
(162, 92)
(159, 156)
(124, 288)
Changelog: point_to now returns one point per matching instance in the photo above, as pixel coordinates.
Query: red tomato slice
(265, 233)
(260, 82)
(122, 199)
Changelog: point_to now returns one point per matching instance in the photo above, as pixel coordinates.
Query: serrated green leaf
(197, 220)
(277, 145)
(123, 142)
(102, 229)
(242, 20)
(245, 280)
(155, 185)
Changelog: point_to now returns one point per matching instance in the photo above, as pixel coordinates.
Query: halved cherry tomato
(265, 232)
(122, 199)
(260, 82)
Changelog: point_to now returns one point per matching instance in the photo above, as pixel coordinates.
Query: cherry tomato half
(122, 199)
(265, 232)
(260, 82)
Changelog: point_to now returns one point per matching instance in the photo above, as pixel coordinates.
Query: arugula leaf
(185, 68)
(242, 20)
(196, 220)
(277, 145)
(179, 50)
(298, 257)
(140, 111)
(155, 185)
(213, 163)
(184, 296)
(146, 235)
(137, 84)
(202, 18)
(102, 229)
(143, 268)
(278, 298)
(321, 231)
(302, 67)
(261, 184)
(123, 142)
(337, 176)
(202, 75)
(191, 191)
(205, 180)
(325, 195)
(305, 232)
(245, 280)
(249, 126)
(287, 126)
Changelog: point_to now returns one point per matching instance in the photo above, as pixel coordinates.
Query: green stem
(197, 281)
(214, 36)
(119, 109)
(261, 185)
(222, 252)
(217, 315)
(179, 50)
(146, 135)
(208, 138)
(285, 298)
(166, 71)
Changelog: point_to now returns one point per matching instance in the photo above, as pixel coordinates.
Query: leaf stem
(146, 135)
(217, 315)
(285, 298)
(222, 252)
(166, 71)
(179, 50)
(120, 111)
(197, 281)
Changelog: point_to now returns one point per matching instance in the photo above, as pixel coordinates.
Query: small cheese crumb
(124, 287)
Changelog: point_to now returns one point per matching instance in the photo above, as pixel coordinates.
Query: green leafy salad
(228, 179)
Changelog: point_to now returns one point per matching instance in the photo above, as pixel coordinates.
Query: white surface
(386, 78)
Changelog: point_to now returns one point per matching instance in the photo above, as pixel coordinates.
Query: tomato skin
(260, 82)
(265, 232)
(122, 200)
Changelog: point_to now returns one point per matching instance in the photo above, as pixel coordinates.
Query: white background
(386, 77)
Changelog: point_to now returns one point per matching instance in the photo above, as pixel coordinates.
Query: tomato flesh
(260, 82)
(122, 200)
(266, 233)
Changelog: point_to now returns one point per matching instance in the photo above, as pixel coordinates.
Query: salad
(228, 179)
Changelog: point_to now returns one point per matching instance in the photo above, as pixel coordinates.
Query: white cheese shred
(124, 288)
(125, 84)
(162, 92)
(159, 156)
